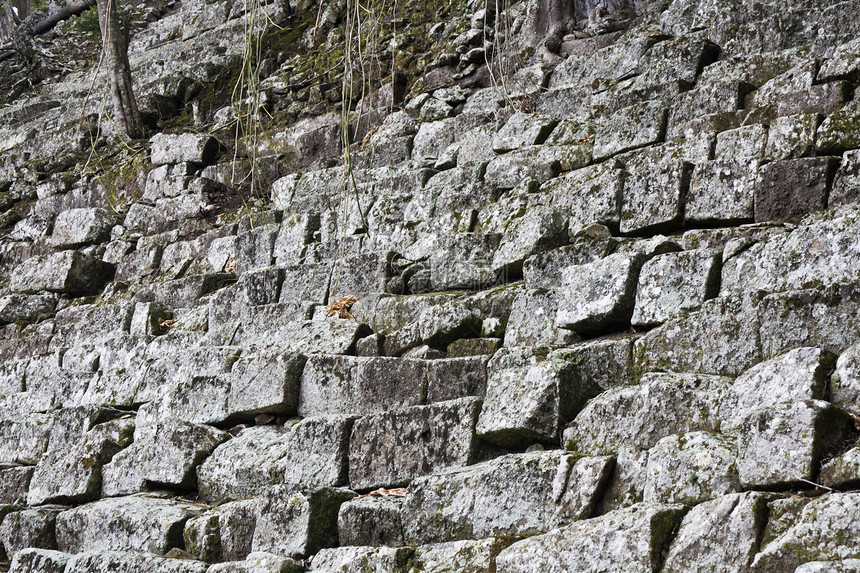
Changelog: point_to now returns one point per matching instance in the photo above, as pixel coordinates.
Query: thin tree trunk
(23, 9)
(115, 46)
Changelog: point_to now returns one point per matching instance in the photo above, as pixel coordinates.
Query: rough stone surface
(69, 272)
(625, 540)
(357, 559)
(555, 489)
(39, 561)
(371, 521)
(787, 190)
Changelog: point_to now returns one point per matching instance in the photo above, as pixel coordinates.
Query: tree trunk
(23, 9)
(115, 46)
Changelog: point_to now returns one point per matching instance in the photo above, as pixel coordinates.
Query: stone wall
(606, 315)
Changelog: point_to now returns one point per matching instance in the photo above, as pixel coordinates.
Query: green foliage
(87, 23)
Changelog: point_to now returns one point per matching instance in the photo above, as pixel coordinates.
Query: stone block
(164, 454)
(185, 147)
(721, 338)
(39, 561)
(655, 185)
(783, 444)
(788, 190)
(316, 453)
(29, 528)
(223, 534)
(307, 282)
(824, 531)
(634, 126)
(464, 261)
(71, 474)
(69, 272)
(640, 416)
(27, 308)
(530, 399)
(265, 382)
(799, 374)
(522, 130)
(259, 562)
(845, 384)
(532, 320)
(392, 448)
(675, 283)
(846, 183)
(452, 378)
(78, 227)
(467, 556)
(14, 482)
(538, 163)
(295, 233)
(360, 559)
(24, 439)
(373, 520)
(721, 534)
(841, 472)
(691, 468)
(147, 524)
(360, 385)
(254, 248)
(542, 491)
(600, 295)
(741, 144)
(298, 522)
(539, 229)
(722, 191)
(112, 561)
(635, 534)
(590, 195)
(791, 136)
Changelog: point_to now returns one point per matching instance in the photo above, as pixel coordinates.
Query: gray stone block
(522, 130)
(185, 147)
(539, 229)
(639, 416)
(452, 378)
(845, 384)
(655, 186)
(722, 191)
(791, 136)
(823, 531)
(298, 522)
(838, 131)
(532, 321)
(265, 382)
(14, 482)
(39, 561)
(846, 183)
(636, 536)
(371, 520)
(464, 261)
(799, 374)
(675, 283)
(78, 227)
(359, 559)
(392, 448)
(24, 439)
(29, 528)
(590, 195)
(599, 295)
(112, 561)
(788, 190)
(360, 385)
(721, 534)
(530, 398)
(741, 144)
(147, 524)
(541, 491)
(841, 472)
(783, 444)
(634, 126)
(259, 562)
(69, 272)
(691, 468)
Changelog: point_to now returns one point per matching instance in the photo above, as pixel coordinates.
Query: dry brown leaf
(230, 265)
(856, 419)
(162, 323)
(382, 492)
(341, 307)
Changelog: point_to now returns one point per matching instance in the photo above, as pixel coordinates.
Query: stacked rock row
(616, 333)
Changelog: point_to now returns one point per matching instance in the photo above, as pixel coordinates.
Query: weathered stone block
(298, 522)
(464, 261)
(360, 385)
(452, 378)
(539, 229)
(530, 399)
(627, 540)
(783, 444)
(542, 491)
(843, 471)
(722, 191)
(846, 183)
(259, 562)
(845, 384)
(69, 272)
(791, 136)
(591, 195)
(185, 147)
(316, 453)
(254, 248)
(824, 530)
(371, 521)
(392, 448)
(359, 559)
(467, 556)
(691, 468)
(675, 283)
(538, 163)
(639, 416)
(71, 474)
(532, 321)
(721, 534)
(14, 482)
(631, 127)
(598, 295)
(799, 374)
(29, 528)
(39, 561)
(839, 131)
(24, 439)
(741, 144)
(722, 338)
(522, 130)
(790, 189)
(123, 524)
(29, 308)
(130, 562)
(655, 185)
(77, 227)
(265, 383)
